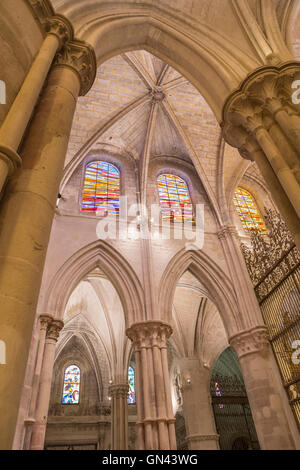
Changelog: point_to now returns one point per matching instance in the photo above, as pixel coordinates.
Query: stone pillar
(197, 407)
(119, 416)
(41, 413)
(261, 120)
(44, 322)
(26, 217)
(270, 419)
(156, 423)
(59, 31)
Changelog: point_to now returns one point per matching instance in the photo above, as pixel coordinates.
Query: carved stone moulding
(42, 9)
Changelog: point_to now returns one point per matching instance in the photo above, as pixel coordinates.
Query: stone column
(156, 423)
(262, 115)
(119, 416)
(26, 217)
(41, 413)
(44, 322)
(197, 407)
(270, 419)
(59, 31)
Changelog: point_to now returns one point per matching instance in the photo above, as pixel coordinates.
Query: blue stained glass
(131, 382)
(71, 385)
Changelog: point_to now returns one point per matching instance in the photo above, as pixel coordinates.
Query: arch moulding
(101, 255)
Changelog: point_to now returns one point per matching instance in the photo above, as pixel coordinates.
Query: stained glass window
(101, 190)
(131, 381)
(219, 394)
(71, 385)
(175, 199)
(248, 212)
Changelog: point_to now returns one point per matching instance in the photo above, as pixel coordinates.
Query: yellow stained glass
(248, 212)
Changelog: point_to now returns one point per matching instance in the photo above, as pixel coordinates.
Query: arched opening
(231, 407)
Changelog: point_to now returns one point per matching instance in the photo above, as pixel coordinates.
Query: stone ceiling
(140, 104)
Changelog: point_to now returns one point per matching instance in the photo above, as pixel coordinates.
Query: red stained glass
(248, 212)
(101, 190)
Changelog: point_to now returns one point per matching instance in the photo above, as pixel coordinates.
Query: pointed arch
(115, 267)
(209, 59)
(215, 281)
(84, 337)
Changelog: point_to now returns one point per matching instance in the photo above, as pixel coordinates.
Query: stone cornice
(80, 57)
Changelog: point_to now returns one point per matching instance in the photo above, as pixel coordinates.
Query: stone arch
(84, 337)
(215, 281)
(113, 264)
(206, 57)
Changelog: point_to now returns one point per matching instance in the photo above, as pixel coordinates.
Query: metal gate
(274, 267)
(233, 418)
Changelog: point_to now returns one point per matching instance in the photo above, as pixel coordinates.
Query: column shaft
(278, 194)
(282, 170)
(16, 121)
(119, 419)
(197, 407)
(41, 413)
(25, 219)
(271, 422)
(155, 414)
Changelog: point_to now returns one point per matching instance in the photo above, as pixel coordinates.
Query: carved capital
(54, 329)
(227, 231)
(149, 334)
(251, 341)
(60, 27)
(45, 321)
(255, 104)
(119, 390)
(80, 57)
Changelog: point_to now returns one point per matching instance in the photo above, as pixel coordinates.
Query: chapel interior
(149, 225)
